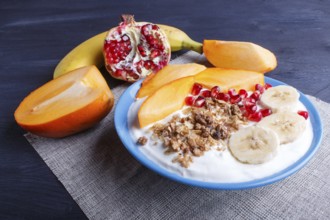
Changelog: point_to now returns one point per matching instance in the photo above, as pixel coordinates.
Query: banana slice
(287, 125)
(280, 98)
(254, 145)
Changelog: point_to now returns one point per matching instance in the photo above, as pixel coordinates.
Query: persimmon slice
(229, 79)
(164, 101)
(167, 74)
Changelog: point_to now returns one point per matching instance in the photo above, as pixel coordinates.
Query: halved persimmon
(169, 73)
(67, 104)
(239, 55)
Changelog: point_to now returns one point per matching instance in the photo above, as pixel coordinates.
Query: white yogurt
(219, 166)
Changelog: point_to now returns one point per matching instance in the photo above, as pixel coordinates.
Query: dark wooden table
(36, 34)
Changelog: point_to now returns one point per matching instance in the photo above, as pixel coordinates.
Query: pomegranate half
(133, 50)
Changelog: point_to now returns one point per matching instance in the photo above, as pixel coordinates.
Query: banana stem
(193, 45)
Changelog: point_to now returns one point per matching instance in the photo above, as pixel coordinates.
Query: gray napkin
(108, 183)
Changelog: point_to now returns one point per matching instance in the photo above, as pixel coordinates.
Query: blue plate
(123, 131)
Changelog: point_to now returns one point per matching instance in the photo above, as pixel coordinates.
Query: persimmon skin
(239, 55)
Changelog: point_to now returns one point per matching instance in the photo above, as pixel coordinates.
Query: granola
(199, 130)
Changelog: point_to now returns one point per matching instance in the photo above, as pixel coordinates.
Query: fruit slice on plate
(67, 104)
(166, 100)
(230, 79)
(133, 50)
(280, 98)
(239, 55)
(167, 74)
(253, 145)
(287, 125)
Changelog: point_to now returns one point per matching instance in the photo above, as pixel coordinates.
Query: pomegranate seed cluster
(247, 103)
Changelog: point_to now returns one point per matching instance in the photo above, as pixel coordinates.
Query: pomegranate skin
(133, 50)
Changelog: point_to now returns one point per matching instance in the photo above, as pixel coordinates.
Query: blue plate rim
(120, 119)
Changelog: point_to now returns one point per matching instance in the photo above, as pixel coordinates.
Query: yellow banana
(87, 53)
(180, 40)
(90, 52)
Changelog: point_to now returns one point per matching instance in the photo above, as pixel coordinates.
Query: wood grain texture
(36, 34)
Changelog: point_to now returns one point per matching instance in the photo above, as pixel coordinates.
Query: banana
(180, 40)
(280, 98)
(90, 52)
(254, 145)
(287, 125)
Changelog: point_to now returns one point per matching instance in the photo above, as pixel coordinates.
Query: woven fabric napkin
(108, 183)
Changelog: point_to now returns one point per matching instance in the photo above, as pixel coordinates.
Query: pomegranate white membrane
(218, 166)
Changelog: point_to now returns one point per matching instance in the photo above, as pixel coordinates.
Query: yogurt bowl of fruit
(219, 129)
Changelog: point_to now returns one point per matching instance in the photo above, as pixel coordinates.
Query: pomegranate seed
(155, 27)
(249, 101)
(196, 89)
(223, 96)
(148, 64)
(267, 86)
(154, 53)
(143, 53)
(140, 48)
(119, 72)
(243, 93)
(199, 102)
(205, 93)
(232, 92)
(163, 63)
(116, 60)
(161, 47)
(154, 43)
(122, 46)
(155, 67)
(113, 50)
(235, 99)
(120, 55)
(259, 88)
(251, 109)
(139, 66)
(266, 112)
(133, 75)
(189, 100)
(113, 44)
(215, 91)
(149, 38)
(303, 113)
(255, 95)
(145, 29)
(257, 116)
(139, 69)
